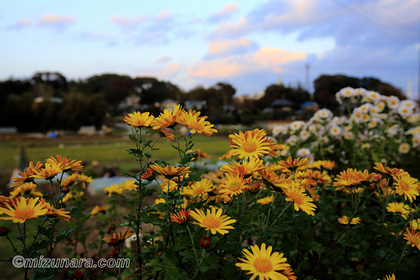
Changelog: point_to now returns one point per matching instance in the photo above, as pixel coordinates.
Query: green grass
(110, 151)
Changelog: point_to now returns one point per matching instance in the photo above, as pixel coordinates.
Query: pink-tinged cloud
(226, 30)
(164, 15)
(55, 19)
(22, 23)
(124, 21)
(163, 59)
(226, 12)
(264, 59)
(224, 48)
(170, 71)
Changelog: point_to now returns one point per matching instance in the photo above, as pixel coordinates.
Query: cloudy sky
(250, 44)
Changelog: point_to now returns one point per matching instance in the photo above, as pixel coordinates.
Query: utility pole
(307, 78)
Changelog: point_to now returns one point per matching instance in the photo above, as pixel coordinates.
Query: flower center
(298, 199)
(24, 214)
(234, 186)
(249, 147)
(404, 185)
(263, 265)
(211, 222)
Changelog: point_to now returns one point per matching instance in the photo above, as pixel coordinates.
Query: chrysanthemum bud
(4, 231)
(65, 189)
(205, 242)
(78, 274)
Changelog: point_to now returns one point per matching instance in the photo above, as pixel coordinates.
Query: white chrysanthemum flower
(296, 125)
(359, 92)
(393, 102)
(348, 135)
(276, 131)
(408, 103)
(335, 131)
(357, 115)
(393, 130)
(405, 111)
(303, 152)
(414, 118)
(404, 148)
(371, 96)
(379, 107)
(414, 130)
(324, 114)
(346, 92)
(304, 135)
(365, 108)
(325, 139)
(374, 122)
(366, 146)
(291, 141)
(416, 140)
(312, 128)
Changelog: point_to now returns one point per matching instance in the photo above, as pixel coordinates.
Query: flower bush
(328, 212)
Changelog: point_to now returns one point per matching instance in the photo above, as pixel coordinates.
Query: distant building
(195, 105)
(168, 104)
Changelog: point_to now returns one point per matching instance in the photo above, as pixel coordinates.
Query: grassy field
(107, 150)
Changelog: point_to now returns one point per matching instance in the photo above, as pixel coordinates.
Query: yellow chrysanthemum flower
(406, 185)
(349, 180)
(250, 144)
(66, 164)
(387, 170)
(213, 220)
(296, 194)
(345, 220)
(167, 118)
(195, 123)
(170, 171)
(20, 210)
(98, 209)
(399, 207)
(138, 119)
(49, 171)
(245, 168)
(27, 189)
(51, 211)
(232, 185)
(261, 263)
(199, 188)
(266, 200)
(291, 165)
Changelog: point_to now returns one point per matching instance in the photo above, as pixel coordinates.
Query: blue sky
(250, 44)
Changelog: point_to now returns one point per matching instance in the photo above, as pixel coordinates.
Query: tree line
(48, 101)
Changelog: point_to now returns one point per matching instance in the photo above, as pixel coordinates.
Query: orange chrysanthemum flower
(20, 210)
(49, 171)
(170, 171)
(51, 211)
(66, 164)
(348, 180)
(291, 165)
(251, 144)
(406, 185)
(167, 133)
(232, 185)
(138, 119)
(245, 168)
(118, 237)
(413, 238)
(387, 170)
(277, 182)
(253, 185)
(295, 193)
(264, 265)
(27, 174)
(181, 217)
(167, 118)
(196, 123)
(213, 220)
